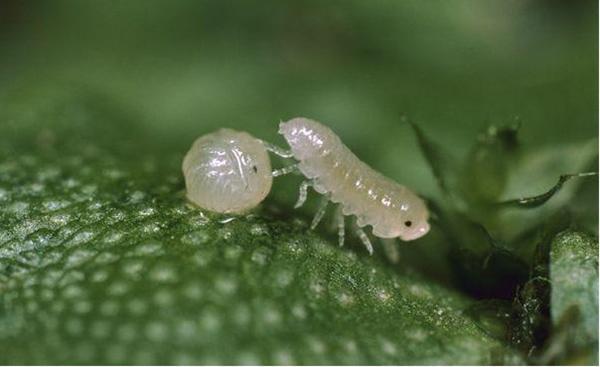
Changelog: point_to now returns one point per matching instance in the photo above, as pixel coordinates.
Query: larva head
(227, 171)
(414, 223)
(307, 138)
(406, 219)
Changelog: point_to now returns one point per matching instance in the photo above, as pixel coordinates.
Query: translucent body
(390, 208)
(227, 171)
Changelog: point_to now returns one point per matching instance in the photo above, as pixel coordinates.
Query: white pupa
(227, 171)
(392, 210)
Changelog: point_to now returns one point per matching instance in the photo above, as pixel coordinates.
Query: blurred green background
(189, 67)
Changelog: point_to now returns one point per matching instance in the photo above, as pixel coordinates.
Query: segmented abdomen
(360, 190)
(391, 209)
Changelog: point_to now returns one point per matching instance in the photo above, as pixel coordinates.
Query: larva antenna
(278, 151)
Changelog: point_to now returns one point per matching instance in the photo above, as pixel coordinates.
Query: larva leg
(277, 150)
(364, 238)
(390, 247)
(285, 170)
(339, 218)
(320, 212)
(303, 193)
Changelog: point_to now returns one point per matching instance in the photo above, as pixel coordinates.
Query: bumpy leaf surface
(574, 297)
(102, 261)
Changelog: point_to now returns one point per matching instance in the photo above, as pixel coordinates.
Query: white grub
(331, 169)
(227, 171)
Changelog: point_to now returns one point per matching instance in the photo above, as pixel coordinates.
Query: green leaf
(574, 297)
(102, 261)
(538, 200)
(534, 173)
(484, 267)
(485, 170)
(442, 164)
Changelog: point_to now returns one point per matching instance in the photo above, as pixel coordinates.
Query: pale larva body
(227, 171)
(392, 210)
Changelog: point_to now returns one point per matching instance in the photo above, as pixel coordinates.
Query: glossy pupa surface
(227, 171)
(392, 210)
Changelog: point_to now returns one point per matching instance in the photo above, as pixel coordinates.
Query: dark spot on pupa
(408, 223)
(254, 169)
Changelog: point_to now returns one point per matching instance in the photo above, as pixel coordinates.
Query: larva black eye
(254, 169)
(408, 223)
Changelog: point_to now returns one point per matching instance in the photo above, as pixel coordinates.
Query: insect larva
(331, 169)
(227, 171)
